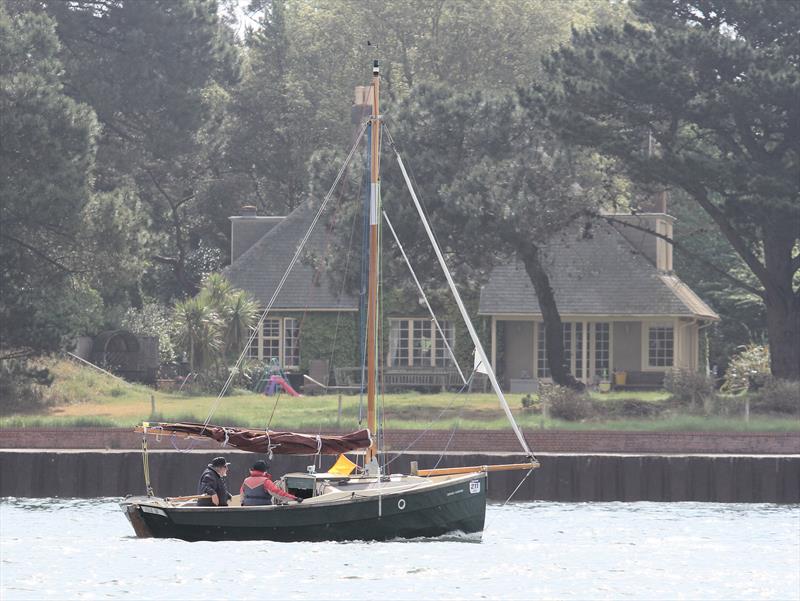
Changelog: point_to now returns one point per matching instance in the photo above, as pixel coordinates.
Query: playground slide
(275, 381)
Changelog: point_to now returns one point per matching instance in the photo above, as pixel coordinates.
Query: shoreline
(463, 441)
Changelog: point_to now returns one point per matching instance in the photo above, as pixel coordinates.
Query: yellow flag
(343, 466)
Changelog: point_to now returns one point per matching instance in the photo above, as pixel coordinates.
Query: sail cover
(264, 441)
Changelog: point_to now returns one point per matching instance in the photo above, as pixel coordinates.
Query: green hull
(457, 505)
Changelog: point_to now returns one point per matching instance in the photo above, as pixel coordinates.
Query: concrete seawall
(562, 477)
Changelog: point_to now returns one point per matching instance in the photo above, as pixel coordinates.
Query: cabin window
(279, 340)
(660, 345)
(417, 343)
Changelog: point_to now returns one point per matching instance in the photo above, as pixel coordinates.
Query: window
(271, 340)
(291, 342)
(279, 340)
(579, 349)
(542, 363)
(443, 358)
(423, 345)
(660, 345)
(601, 349)
(252, 350)
(417, 343)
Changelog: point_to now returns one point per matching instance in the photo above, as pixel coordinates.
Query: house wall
(518, 350)
(627, 349)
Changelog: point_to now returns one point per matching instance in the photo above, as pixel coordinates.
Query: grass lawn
(81, 396)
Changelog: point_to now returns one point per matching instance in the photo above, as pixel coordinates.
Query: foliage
(213, 328)
(47, 147)
(565, 403)
(21, 385)
(627, 408)
(777, 396)
(688, 387)
(709, 88)
(153, 319)
(747, 369)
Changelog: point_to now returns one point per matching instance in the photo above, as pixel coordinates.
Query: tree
(494, 184)
(715, 84)
(156, 74)
(47, 150)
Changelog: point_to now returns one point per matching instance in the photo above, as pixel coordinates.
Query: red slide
(284, 384)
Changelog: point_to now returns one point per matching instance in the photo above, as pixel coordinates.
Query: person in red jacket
(259, 489)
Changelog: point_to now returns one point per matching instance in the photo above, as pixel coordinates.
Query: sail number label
(474, 487)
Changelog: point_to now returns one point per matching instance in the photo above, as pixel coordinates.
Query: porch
(596, 348)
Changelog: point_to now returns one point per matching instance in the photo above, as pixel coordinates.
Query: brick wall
(545, 441)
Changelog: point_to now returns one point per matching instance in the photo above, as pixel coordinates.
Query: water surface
(84, 549)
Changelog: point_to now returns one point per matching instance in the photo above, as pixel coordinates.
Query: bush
(629, 408)
(747, 370)
(777, 396)
(688, 387)
(565, 403)
(527, 401)
(22, 386)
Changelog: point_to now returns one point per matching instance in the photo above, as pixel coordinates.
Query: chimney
(247, 228)
(653, 218)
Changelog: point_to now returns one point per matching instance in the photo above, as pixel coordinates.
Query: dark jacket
(211, 483)
(258, 489)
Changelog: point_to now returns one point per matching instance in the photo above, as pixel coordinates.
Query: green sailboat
(340, 504)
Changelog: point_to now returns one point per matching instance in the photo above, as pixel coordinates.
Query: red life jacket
(258, 489)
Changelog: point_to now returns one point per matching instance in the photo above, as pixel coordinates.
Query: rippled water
(84, 549)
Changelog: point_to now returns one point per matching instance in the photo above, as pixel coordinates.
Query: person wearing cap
(259, 489)
(213, 483)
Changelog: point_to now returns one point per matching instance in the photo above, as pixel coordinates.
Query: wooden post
(152, 405)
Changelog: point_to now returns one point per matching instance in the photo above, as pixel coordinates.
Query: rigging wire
(235, 368)
(425, 298)
(525, 477)
(434, 420)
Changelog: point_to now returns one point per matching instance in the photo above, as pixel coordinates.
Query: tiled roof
(601, 275)
(260, 269)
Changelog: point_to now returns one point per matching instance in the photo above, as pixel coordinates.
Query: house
(261, 250)
(623, 308)
(314, 317)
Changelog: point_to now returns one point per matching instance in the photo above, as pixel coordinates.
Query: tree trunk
(554, 338)
(782, 304)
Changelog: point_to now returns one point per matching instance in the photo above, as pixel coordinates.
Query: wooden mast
(372, 291)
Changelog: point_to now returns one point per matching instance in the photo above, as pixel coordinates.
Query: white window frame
(282, 341)
(646, 329)
(588, 344)
(407, 325)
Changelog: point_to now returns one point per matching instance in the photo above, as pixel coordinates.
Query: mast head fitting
(376, 70)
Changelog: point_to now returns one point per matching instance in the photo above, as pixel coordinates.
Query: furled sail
(264, 441)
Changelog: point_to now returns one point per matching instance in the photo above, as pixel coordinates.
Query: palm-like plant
(240, 313)
(200, 330)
